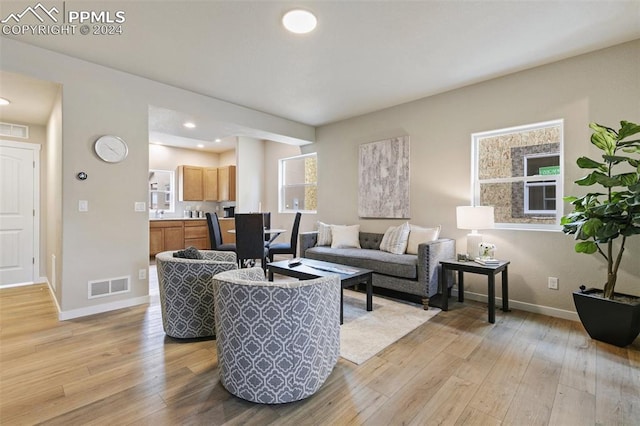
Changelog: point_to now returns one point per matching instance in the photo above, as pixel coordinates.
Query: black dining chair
(215, 234)
(290, 247)
(267, 225)
(250, 239)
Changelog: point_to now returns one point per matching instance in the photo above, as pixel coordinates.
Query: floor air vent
(108, 287)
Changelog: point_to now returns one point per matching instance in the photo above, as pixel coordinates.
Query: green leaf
(588, 163)
(633, 201)
(609, 231)
(631, 230)
(591, 227)
(589, 179)
(608, 182)
(605, 142)
(588, 247)
(626, 179)
(615, 159)
(627, 129)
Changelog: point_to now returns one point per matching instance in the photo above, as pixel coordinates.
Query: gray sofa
(406, 275)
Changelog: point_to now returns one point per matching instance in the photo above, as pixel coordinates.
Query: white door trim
(36, 148)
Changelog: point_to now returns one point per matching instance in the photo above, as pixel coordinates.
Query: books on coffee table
(486, 262)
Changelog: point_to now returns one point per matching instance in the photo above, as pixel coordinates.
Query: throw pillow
(343, 236)
(188, 253)
(395, 239)
(420, 235)
(324, 234)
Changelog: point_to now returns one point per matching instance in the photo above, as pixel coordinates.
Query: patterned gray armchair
(186, 291)
(277, 341)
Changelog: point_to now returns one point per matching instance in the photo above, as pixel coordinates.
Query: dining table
(273, 233)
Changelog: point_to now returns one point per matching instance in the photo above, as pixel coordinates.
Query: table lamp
(474, 218)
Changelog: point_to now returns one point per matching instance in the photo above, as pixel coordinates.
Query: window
(518, 172)
(161, 190)
(298, 184)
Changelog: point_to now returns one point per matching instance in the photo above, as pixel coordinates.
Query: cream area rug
(363, 334)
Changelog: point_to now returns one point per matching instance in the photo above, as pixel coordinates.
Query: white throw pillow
(343, 236)
(395, 239)
(420, 235)
(324, 234)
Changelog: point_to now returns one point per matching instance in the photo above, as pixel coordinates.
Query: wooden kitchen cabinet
(226, 224)
(227, 183)
(206, 183)
(165, 235)
(210, 183)
(196, 234)
(190, 186)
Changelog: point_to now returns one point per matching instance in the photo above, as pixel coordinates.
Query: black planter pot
(607, 320)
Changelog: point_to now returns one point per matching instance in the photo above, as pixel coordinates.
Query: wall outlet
(142, 274)
(553, 283)
(83, 205)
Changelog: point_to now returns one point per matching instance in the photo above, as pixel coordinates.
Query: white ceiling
(363, 56)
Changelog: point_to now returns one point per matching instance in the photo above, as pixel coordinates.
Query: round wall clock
(111, 149)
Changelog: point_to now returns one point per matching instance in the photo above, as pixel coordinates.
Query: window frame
(544, 182)
(168, 196)
(282, 186)
(476, 182)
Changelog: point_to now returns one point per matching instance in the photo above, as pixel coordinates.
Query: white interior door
(17, 213)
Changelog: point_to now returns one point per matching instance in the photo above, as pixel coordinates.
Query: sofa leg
(425, 303)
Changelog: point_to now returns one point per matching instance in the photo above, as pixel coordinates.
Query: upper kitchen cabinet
(190, 186)
(206, 183)
(227, 183)
(210, 183)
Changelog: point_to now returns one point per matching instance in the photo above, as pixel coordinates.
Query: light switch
(83, 206)
(140, 206)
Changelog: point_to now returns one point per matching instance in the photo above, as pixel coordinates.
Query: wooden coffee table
(310, 269)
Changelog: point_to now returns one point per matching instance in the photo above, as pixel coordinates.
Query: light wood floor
(118, 368)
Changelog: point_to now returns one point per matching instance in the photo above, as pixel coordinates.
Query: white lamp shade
(474, 217)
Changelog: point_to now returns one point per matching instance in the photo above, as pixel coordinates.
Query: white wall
(603, 86)
(228, 158)
(111, 239)
(250, 175)
(51, 213)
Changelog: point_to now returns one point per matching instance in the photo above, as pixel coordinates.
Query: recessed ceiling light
(299, 21)
(200, 145)
(4, 101)
(189, 125)
(218, 140)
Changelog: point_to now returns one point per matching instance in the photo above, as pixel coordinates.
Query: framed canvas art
(383, 179)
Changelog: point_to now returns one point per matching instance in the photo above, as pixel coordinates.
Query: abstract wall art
(383, 184)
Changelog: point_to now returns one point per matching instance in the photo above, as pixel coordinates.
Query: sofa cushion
(324, 234)
(382, 262)
(395, 239)
(345, 236)
(420, 235)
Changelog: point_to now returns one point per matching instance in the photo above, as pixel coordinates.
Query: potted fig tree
(602, 221)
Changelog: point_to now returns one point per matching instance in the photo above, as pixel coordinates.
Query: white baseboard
(523, 306)
(98, 309)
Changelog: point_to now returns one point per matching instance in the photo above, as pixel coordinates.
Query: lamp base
(473, 244)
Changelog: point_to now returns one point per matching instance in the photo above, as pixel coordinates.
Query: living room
(440, 152)
(600, 86)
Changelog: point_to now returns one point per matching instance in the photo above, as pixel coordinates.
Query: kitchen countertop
(151, 219)
(176, 218)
